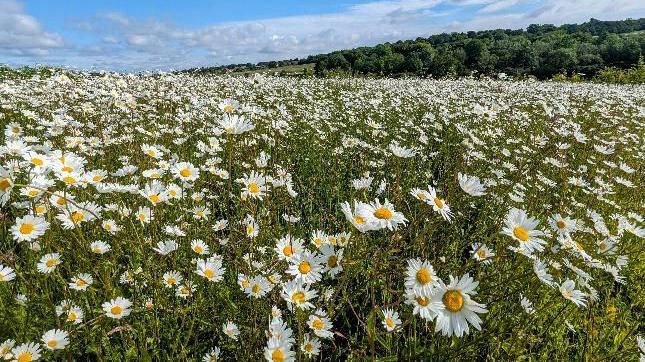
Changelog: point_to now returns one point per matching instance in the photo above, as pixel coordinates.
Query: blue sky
(145, 34)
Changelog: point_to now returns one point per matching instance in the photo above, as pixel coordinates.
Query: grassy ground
(556, 151)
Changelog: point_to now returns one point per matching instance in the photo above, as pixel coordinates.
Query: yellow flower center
(481, 254)
(421, 195)
(359, 220)
(209, 273)
(561, 224)
(521, 233)
(453, 300)
(33, 193)
(318, 324)
(254, 188)
(424, 276)
(24, 357)
(198, 249)
(116, 310)
(298, 298)
(186, 172)
(5, 184)
(51, 263)
(37, 161)
(71, 316)
(154, 198)
(61, 201)
(69, 180)
(422, 301)
(40, 209)
(26, 228)
(602, 245)
(438, 202)
(81, 283)
(389, 322)
(277, 355)
(304, 267)
(52, 344)
(287, 250)
(309, 347)
(151, 153)
(332, 261)
(77, 217)
(228, 108)
(97, 178)
(383, 213)
(172, 281)
(67, 169)
(256, 288)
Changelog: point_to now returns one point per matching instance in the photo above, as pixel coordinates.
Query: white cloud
(21, 34)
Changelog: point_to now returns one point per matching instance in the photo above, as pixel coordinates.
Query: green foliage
(541, 50)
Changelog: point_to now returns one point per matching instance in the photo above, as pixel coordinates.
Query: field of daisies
(180, 217)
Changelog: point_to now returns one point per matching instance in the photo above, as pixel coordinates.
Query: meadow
(182, 217)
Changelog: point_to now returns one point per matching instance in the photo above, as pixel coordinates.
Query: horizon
(146, 36)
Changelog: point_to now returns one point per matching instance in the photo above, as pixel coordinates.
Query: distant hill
(539, 50)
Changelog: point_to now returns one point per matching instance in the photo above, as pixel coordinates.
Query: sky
(138, 35)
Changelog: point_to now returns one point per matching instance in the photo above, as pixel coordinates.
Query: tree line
(539, 50)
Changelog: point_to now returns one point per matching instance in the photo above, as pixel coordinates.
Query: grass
(543, 147)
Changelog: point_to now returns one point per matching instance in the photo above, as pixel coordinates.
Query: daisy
(391, 320)
(231, 330)
(438, 205)
(100, 247)
(201, 213)
(471, 185)
(381, 215)
(199, 247)
(229, 105)
(425, 304)
(254, 185)
(117, 308)
(310, 346)
(459, 310)
(569, 291)
(420, 276)
(28, 228)
(110, 226)
(213, 270)
(6, 346)
(151, 151)
(212, 355)
(81, 282)
(258, 287)
(26, 352)
(74, 315)
(306, 267)
(331, 259)
(185, 171)
(165, 247)
(48, 263)
(172, 278)
(6, 184)
(295, 293)
(185, 290)
(144, 215)
(234, 124)
(6, 273)
(522, 228)
(288, 248)
(55, 339)
(562, 225)
(354, 217)
(277, 351)
(482, 253)
(320, 324)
